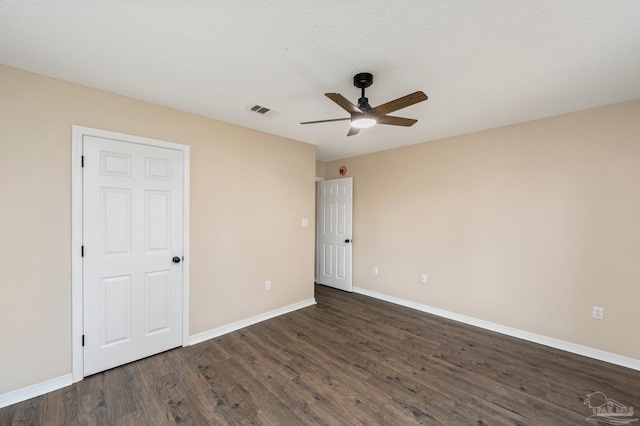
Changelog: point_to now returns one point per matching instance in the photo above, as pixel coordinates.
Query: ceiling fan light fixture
(363, 122)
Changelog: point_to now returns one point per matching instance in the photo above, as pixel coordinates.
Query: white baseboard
(217, 332)
(509, 331)
(32, 391)
(38, 389)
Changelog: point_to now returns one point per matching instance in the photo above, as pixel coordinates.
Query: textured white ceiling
(483, 64)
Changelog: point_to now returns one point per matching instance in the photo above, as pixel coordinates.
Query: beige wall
(249, 191)
(528, 225)
(320, 169)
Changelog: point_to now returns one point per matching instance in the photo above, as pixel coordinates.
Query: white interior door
(132, 251)
(333, 251)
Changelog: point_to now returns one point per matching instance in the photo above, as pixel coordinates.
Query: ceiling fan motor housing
(363, 104)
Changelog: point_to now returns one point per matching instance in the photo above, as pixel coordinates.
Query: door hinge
(82, 251)
(82, 161)
(83, 340)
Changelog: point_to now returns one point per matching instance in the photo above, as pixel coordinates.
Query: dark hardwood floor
(348, 360)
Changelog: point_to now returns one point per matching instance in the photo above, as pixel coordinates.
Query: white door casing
(132, 299)
(334, 233)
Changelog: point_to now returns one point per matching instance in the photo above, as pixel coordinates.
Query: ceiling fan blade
(326, 121)
(343, 102)
(399, 103)
(353, 131)
(396, 121)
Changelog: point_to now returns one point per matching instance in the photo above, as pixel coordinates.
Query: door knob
(347, 241)
(175, 259)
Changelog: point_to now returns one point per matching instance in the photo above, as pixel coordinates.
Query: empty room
(322, 212)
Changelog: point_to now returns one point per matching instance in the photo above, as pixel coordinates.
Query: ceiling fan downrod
(362, 81)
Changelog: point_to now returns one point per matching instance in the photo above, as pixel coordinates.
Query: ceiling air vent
(263, 110)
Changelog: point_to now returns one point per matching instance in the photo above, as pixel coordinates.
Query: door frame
(317, 240)
(319, 224)
(77, 324)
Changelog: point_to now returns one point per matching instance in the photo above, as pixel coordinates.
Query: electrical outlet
(305, 222)
(375, 270)
(598, 313)
(424, 278)
(267, 285)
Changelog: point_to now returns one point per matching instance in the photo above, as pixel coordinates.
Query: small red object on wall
(343, 170)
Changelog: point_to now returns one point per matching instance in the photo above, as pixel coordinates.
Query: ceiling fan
(363, 115)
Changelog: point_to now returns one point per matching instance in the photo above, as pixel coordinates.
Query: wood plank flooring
(349, 360)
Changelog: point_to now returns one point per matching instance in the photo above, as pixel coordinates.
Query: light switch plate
(597, 313)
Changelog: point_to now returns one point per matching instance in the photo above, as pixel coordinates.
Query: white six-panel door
(132, 230)
(333, 251)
